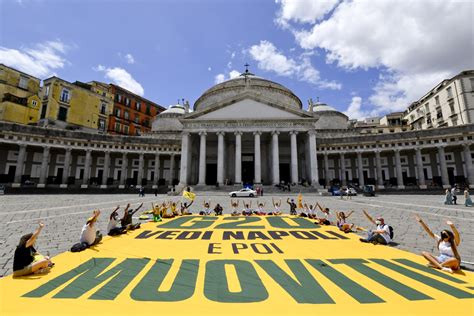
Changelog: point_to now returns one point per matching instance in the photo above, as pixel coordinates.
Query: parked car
(243, 192)
(350, 191)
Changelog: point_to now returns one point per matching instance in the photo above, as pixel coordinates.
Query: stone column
(202, 159)
(257, 158)
(238, 158)
(20, 165)
(141, 162)
(220, 158)
(275, 158)
(342, 162)
(326, 169)
(171, 175)
(468, 163)
(66, 168)
(294, 157)
(44, 168)
(419, 168)
(443, 167)
(378, 167)
(398, 167)
(105, 175)
(157, 171)
(313, 158)
(360, 170)
(183, 177)
(87, 169)
(123, 176)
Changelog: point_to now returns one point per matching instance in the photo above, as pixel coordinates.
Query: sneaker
(446, 269)
(363, 240)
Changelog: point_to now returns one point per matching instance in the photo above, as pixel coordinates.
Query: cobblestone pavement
(64, 216)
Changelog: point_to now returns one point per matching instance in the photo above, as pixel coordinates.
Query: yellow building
(75, 106)
(19, 96)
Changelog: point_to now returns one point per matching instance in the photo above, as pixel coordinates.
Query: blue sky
(363, 57)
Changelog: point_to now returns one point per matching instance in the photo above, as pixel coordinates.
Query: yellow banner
(189, 195)
(238, 265)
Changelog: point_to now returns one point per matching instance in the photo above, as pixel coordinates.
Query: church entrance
(285, 172)
(211, 174)
(248, 172)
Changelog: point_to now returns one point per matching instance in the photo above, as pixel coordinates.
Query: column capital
(68, 149)
(294, 132)
(257, 133)
(312, 132)
(440, 146)
(275, 133)
(377, 150)
(220, 133)
(418, 149)
(88, 150)
(466, 145)
(342, 154)
(396, 150)
(203, 133)
(238, 133)
(185, 133)
(22, 145)
(106, 152)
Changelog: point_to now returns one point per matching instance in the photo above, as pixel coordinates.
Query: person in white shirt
(112, 227)
(453, 194)
(207, 208)
(447, 243)
(234, 205)
(381, 234)
(89, 234)
(276, 206)
(247, 209)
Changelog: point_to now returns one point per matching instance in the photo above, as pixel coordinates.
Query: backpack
(80, 246)
(390, 229)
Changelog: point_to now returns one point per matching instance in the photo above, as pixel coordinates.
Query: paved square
(64, 216)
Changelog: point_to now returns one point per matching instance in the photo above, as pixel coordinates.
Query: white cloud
(354, 111)
(270, 59)
(40, 61)
(415, 44)
(304, 11)
(222, 77)
(232, 55)
(209, 68)
(129, 58)
(122, 78)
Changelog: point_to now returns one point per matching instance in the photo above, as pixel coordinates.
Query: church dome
(323, 107)
(168, 120)
(173, 110)
(247, 82)
(329, 117)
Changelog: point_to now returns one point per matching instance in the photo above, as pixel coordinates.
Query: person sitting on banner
(247, 209)
(310, 211)
(112, 228)
(304, 211)
(164, 210)
(207, 208)
(234, 205)
(185, 208)
(173, 208)
(381, 234)
(341, 222)
(292, 205)
(89, 234)
(276, 206)
(218, 209)
(156, 211)
(447, 242)
(27, 260)
(126, 220)
(325, 219)
(260, 209)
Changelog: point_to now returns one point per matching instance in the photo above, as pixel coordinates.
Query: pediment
(248, 108)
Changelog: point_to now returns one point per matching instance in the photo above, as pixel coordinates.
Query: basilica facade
(246, 130)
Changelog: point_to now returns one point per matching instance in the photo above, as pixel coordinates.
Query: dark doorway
(248, 169)
(11, 173)
(119, 175)
(100, 173)
(451, 176)
(211, 174)
(366, 175)
(59, 175)
(285, 172)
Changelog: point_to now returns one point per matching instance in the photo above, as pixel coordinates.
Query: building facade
(247, 130)
(19, 96)
(132, 114)
(450, 103)
(75, 106)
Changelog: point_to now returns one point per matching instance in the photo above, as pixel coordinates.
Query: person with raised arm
(27, 260)
(260, 209)
(447, 243)
(90, 234)
(292, 205)
(276, 207)
(112, 228)
(381, 234)
(234, 205)
(247, 209)
(207, 208)
(325, 219)
(341, 221)
(126, 220)
(185, 208)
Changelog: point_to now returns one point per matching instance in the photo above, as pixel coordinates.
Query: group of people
(28, 261)
(451, 198)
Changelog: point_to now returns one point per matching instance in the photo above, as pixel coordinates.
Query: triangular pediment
(248, 107)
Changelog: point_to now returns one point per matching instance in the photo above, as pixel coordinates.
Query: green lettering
(193, 222)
